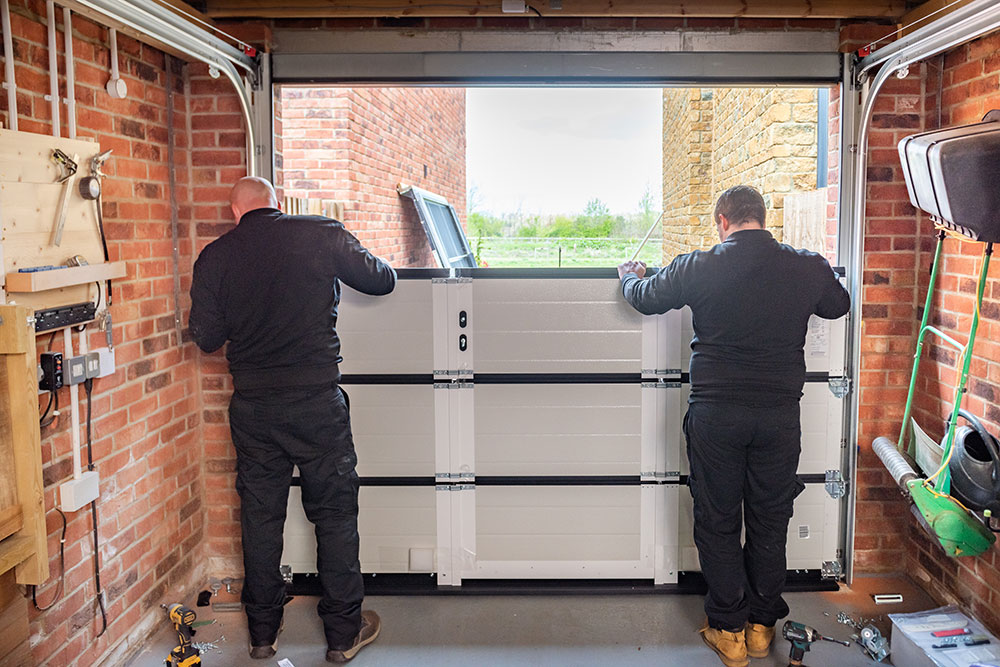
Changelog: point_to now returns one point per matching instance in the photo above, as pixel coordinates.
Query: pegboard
(30, 195)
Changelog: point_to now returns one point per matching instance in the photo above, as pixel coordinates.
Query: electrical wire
(88, 387)
(104, 245)
(62, 571)
(908, 26)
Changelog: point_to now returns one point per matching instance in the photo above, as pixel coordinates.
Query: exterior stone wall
(761, 137)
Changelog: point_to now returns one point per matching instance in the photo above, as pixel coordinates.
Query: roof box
(953, 174)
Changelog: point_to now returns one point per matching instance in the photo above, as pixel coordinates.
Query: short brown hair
(740, 204)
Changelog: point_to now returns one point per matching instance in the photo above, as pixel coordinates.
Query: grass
(498, 251)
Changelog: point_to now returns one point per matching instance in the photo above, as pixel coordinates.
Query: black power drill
(184, 654)
(801, 636)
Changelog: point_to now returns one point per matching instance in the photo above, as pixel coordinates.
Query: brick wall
(763, 137)
(355, 145)
(969, 85)
(146, 416)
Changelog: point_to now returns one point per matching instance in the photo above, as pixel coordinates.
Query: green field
(501, 251)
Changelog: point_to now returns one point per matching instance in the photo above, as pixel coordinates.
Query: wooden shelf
(15, 550)
(39, 281)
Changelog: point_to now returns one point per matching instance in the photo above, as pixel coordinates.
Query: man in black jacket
(270, 287)
(751, 299)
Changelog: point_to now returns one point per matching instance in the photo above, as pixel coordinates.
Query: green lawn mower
(949, 175)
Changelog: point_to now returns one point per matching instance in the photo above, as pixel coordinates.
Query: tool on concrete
(227, 606)
(69, 167)
(873, 642)
(888, 598)
(801, 636)
(184, 654)
(215, 587)
(646, 237)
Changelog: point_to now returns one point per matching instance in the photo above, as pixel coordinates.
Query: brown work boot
(267, 651)
(759, 638)
(370, 626)
(730, 646)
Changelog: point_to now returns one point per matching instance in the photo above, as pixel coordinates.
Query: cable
(533, 9)
(62, 570)
(104, 244)
(88, 387)
(870, 45)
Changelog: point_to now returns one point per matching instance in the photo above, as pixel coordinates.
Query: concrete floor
(544, 630)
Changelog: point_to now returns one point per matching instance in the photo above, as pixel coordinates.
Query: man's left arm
(207, 321)
(835, 300)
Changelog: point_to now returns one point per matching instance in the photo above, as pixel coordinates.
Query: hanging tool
(69, 167)
(646, 237)
(801, 637)
(184, 654)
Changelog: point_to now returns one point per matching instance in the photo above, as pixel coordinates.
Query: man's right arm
(207, 321)
(659, 293)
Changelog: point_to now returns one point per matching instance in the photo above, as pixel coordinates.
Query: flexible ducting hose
(894, 461)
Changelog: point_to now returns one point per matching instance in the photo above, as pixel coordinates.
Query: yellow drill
(184, 654)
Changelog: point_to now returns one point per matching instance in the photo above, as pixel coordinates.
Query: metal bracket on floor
(831, 569)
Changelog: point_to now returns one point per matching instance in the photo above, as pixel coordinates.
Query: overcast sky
(551, 150)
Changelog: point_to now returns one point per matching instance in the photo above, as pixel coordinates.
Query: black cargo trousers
(273, 431)
(743, 462)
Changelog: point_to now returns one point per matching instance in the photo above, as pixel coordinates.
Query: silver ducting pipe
(894, 461)
(54, 103)
(180, 35)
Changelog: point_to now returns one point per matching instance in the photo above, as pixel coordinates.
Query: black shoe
(370, 626)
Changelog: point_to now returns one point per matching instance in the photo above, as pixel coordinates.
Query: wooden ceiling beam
(798, 9)
(926, 13)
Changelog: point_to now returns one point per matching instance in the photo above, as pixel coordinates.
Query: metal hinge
(463, 476)
(840, 387)
(835, 484)
(661, 384)
(286, 573)
(661, 371)
(454, 487)
(831, 569)
(450, 281)
(454, 384)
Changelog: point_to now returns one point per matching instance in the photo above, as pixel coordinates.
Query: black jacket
(751, 298)
(271, 288)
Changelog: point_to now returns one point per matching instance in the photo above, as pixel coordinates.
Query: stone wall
(763, 137)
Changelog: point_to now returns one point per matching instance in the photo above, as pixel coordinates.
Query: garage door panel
(393, 428)
(390, 334)
(813, 531)
(391, 522)
(554, 326)
(557, 429)
(557, 523)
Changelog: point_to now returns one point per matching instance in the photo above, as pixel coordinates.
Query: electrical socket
(106, 356)
(76, 370)
(93, 360)
(52, 371)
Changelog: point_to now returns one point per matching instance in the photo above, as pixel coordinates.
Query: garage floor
(543, 630)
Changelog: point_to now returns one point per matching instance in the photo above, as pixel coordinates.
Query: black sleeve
(360, 269)
(660, 292)
(207, 321)
(835, 300)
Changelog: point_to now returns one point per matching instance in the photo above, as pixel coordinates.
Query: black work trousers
(309, 428)
(743, 462)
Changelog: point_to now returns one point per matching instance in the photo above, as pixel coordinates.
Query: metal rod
(70, 73)
(944, 483)
(172, 182)
(646, 238)
(54, 103)
(920, 341)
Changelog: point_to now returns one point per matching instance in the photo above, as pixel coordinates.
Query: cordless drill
(184, 654)
(801, 636)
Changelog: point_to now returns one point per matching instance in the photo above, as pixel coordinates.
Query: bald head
(251, 193)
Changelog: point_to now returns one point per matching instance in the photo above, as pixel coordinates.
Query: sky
(551, 150)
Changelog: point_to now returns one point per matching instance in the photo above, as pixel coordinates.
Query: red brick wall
(970, 86)
(146, 416)
(355, 145)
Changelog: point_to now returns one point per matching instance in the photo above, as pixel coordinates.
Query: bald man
(270, 287)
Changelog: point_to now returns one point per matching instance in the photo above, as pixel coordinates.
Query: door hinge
(840, 387)
(831, 569)
(835, 484)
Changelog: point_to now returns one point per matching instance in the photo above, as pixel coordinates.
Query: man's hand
(638, 268)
